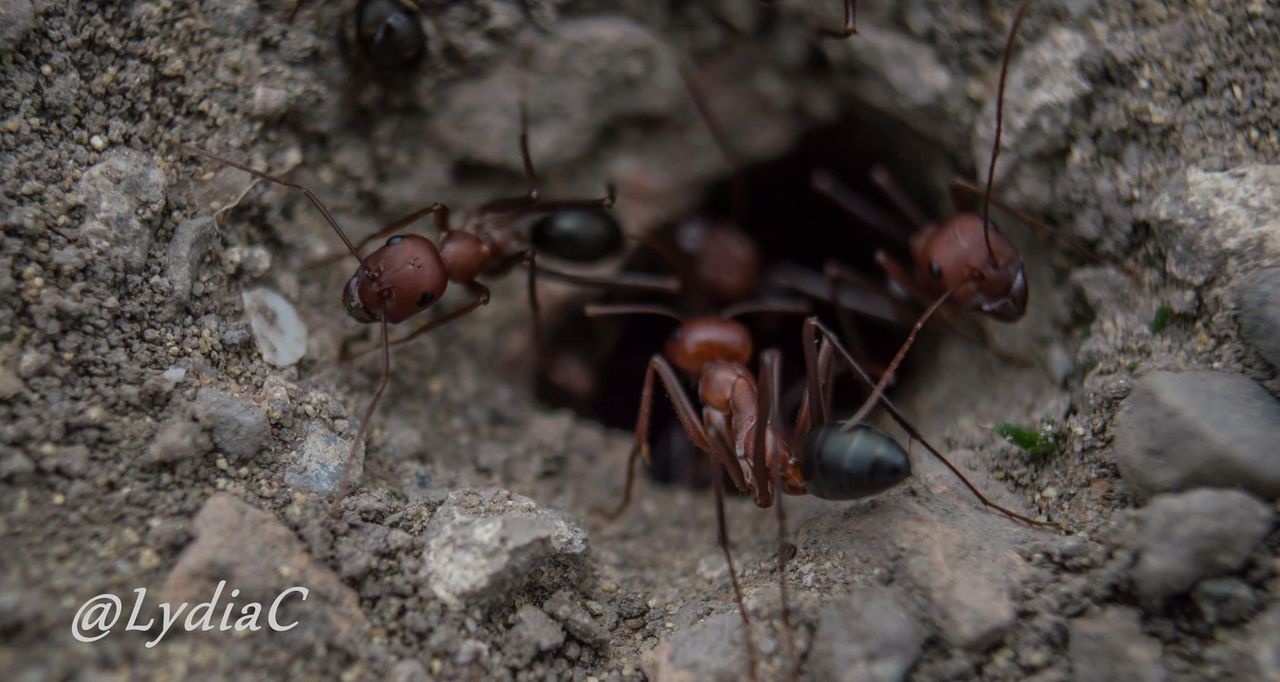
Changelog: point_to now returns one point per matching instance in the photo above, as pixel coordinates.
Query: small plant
(1037, 442)
(1161, 320)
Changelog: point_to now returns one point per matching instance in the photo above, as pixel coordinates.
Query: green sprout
(1161, 320)
(1039, 443)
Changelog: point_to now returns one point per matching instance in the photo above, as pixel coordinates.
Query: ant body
(965, 258)
(409, 273)
(739, 429)
(384, 34)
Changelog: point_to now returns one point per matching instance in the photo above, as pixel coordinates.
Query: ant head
(577, 235)
(848, 465)
(389, 33)
(724, 260)
(405, 276)
(956, 258)
(702, 339)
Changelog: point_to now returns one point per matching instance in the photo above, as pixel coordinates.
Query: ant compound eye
(425, 299)
(395, 240)
(935, 270)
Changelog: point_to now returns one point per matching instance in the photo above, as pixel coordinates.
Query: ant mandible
(409, 273)
(739, 424)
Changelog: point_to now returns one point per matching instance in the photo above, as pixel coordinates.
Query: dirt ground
(145, 442)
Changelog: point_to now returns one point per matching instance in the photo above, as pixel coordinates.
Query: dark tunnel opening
(598, 365)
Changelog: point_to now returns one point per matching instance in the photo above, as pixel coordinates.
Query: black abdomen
(847, 465)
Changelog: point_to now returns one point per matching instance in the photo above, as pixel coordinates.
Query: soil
(124, 464)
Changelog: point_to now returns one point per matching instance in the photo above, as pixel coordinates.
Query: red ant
(965, 258)
(845, 463)
(409, 273)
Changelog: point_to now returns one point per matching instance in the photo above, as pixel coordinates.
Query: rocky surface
(1180, 430)
(1181, 538)
(154, 433)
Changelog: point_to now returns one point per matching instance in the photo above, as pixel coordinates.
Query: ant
(739, 425)
(386, 34)
(409, 273)
(965, 258)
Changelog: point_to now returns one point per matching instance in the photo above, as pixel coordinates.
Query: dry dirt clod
(1109, 646)
(120, 193)
(178, 439)
(257, 555)
(1259, 301)
(319, 462)
(868, 636)
(1181, 538)
(1180, 430)
(483, 546)
(238, 426)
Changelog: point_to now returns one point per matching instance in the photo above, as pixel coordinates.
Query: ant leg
(639, 281)
(642, 282)
(315, 200)
(900, 276)
(857, 206)
(770, 399)
(836, 275)
(438, 210)
(722, 535)
(883, 179)
(534, 204)
(813, 327)
(893, 364)
(482, 298)
(685, 412)
(345, 480)
(850, 26)
(535, 315)
(863, 296)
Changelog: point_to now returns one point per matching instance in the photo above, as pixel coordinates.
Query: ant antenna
(315, 200)
(995, 150)
(602, 309)
(887, 376)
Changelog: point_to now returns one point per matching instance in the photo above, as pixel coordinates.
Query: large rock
(1181, 538)
(1181, 430)
(485, 546)
(255, 554)
(1211, 222)
(123, 196)
(1259, 300)
(1109, 646)
(866, 638)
